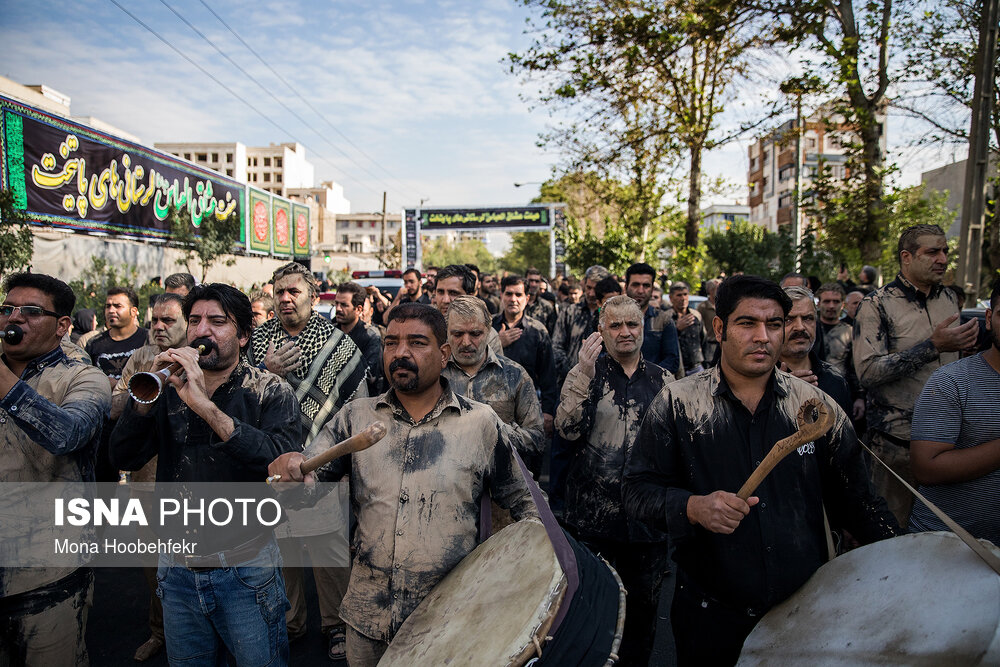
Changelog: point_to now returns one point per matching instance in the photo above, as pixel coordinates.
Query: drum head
(488, 610)
(920, 599)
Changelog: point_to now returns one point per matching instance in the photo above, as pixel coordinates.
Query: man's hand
(284, 360)
(191, 388)
(947, 338)
(509, 334)
(288, 467)
(806, 374)
(719, 512)
(547, 424)
(685, 320)
(589, 351)
(858, 410)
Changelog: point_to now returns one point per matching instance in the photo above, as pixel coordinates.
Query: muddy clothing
(690, 341)
(602, 416)
(264, 412)
(533, 351)
(698, 438)
(111, 355)
(50, 424)
(417, 497)
(573, 326)
(369, 341)
(492, 302)
(659, 340)
(543, 311)
(505, 386)
(832, 383)
(711, 346)
(838, 351)
(893, 353)
(332, 368)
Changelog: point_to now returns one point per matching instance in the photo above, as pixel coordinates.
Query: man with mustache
(218, 420)
(700, 440)
(904, 332)
(798, 356)
(417, 492)
(602, 404)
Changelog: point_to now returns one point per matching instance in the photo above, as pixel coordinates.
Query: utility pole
(797, 211)
(381, 250)
(976, 166)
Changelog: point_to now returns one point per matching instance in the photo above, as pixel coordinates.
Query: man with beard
(263, 308)
(690, 332)
(602, 404)
(413, 291)
(326, 370)
(904, 332)
(350, 301)
(659, 335)
(475, 372)
(452, 282)
(441, 451)
(701, 438)
(577, 322)
(110, 350)
(219, 420)
(539, 308)
(838, 343)
(798, 356)
(955, 440)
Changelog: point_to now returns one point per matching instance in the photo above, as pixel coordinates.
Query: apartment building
(276, 168)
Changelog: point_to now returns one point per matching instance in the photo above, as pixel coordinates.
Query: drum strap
(988, 556)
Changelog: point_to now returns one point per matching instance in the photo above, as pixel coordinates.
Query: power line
(232, 92)
(266, 90)
(306, 101)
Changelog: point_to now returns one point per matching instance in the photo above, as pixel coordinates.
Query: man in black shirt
(110, 350)
(700, 440)
(349, 301)
(539, 308)
(220, 420)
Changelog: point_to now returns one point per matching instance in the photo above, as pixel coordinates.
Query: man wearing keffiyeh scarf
(326, 369)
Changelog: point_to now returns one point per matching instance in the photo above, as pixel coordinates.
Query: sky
(411, 97)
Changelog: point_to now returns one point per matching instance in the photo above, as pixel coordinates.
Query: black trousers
(707, 633)
(641, 567)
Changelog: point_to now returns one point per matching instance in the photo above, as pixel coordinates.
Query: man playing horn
(699, 442)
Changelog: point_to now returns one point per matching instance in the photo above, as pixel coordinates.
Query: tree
(213, 243)
(744, 246)
(16, 240)
(92, 285)
(440, 252)
(527, 250)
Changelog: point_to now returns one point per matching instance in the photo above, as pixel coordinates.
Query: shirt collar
(491, 360)
(910, 288)
(718, 385)
(447, 400)
(38, 363)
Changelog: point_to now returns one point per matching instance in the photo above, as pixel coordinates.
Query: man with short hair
(110, 350)
(798, 356)
(838, 343)
(539, 308)
(417, 492)
(866, 279)
(851, 304)
(794, 279)
(604, 290)
(218, 421)
(326, 370)
(690, 332)
(526, 341)
(476, 372)
(430, 279)
(485, 293)
(180, 284)
(955, 440)
(349, 301)
(263, 308)
(602, 404)
(453, 281)
(577, 322)
(706, 309)
(700, 440)
(168, 330)
(904, 332)
(51, 412)
(412, 291)
(659, 335)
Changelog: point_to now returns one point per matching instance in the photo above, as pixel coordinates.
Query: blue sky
(419, 86)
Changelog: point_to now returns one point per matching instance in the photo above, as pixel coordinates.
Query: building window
(763, 157)
(277, 162)
(187, 156)
(202, 157)
(753, 163)
(267, 162)
(267, 177)
(811, 142)
(229, 157)
(215, 157)
(785, 200)
(786, 173)
(229, 172)
(355, 246)
(344, 239)
(277, 178)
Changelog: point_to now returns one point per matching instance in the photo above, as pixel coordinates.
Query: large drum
(498, 605)
(920, 599)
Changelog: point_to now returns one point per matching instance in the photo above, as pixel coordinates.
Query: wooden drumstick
(356, 443)
(810, 428)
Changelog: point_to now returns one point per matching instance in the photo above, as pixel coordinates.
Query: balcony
(784, 215)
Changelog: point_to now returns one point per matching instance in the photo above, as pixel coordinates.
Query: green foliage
(92, 285)
(616, 249)
(913, 206)
(528, 249)
(747, 247)
(16, 241)
(439, 252)
(214, 243)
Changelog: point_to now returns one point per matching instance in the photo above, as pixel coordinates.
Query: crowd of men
(643, 415)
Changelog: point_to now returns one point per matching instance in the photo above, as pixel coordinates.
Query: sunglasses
(26, 311)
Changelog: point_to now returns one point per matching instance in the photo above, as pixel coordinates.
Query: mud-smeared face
(640, 288)
(752, 338)
(927, 265)
(621, 329)
(467, 336)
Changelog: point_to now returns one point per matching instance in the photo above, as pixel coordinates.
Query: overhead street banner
(535, 217)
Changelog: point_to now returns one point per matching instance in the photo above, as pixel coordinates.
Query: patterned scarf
(332, 368)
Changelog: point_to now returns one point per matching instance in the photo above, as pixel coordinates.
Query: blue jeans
(239, 607)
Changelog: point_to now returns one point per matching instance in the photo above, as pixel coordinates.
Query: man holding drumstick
(699, 442)
(417, 493)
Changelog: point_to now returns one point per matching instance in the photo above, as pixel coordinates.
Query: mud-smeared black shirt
(602, 416)
(533, 351)
(697, 438)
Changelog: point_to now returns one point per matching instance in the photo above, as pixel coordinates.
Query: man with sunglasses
(51, 411)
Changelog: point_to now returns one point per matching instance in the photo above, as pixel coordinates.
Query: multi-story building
(225, 158)
(772, 174)
(719, 216)
(275, 168)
